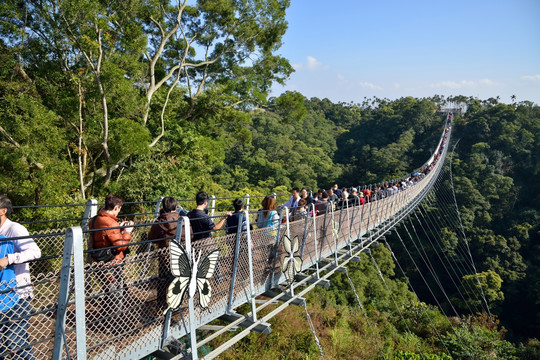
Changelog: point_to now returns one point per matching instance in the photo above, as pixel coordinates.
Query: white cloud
(531, 77)
(310, 64)
(340, 77)
(463, 84)
(368, 85)
(313, 63)
(487, 82)
(397, 85)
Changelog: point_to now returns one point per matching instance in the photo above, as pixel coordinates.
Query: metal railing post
(246, 202)
(346, 202)
(351, 223)
(289, 236)
(277, 243)
(334, 235)
(235, 261)
(324, 229)
(250, 256)
(73, 248)
(362, 208)
(339, 231)
(315, 239)
(158, 206)
(167, 322)
(287, 214)
(305, 235)
(90, 211)
(191, 304)
(212, 205)
(377, 214)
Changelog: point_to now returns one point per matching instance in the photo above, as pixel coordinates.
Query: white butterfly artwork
(291, 264)
(335, 229)
(193, 275)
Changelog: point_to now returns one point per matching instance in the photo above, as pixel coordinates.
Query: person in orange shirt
(111, 235)
(367, 194)
(110, 273)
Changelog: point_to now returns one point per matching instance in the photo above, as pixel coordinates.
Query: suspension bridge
(76, 315)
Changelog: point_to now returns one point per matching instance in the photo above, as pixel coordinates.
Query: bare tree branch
(171, 88)
(10, 139)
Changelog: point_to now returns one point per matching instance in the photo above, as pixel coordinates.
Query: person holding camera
(108, 245)
(111, 235)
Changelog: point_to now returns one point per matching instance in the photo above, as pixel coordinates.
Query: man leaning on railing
(14, 317)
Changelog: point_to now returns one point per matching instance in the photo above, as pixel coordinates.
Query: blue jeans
(14, 332)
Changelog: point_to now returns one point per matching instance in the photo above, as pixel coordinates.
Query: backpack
(8, 281)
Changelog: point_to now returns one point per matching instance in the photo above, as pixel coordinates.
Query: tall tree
(110, 69)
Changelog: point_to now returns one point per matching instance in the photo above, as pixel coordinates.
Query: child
(300, 212)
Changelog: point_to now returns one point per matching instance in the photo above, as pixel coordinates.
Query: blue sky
(347, 50)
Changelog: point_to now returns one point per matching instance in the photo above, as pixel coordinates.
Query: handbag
(104, 255)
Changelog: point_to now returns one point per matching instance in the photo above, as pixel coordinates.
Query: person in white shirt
(292, 203)
(14, 321)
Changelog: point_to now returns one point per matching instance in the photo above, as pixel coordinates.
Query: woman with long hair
(268, 216)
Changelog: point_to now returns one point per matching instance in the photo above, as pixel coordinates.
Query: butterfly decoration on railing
(194, 274)
(291, 264)
(335, 229)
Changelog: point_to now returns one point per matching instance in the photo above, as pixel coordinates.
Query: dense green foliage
(496, 172)
(107, 86)
(156, 98)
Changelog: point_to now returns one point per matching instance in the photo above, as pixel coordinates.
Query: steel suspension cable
(460, 247)
(313, 331)
(463, 229)
(463, 249)
(393, 299)
(445, 218)
(454, 221)
(430, 267)
(424, 256)
(428, 221)
(443, 264)
(429, 288)
(364, 312)
(445, 193)
(415, 294)
(420, 273)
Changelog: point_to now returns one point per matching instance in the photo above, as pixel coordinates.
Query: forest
(146, 99)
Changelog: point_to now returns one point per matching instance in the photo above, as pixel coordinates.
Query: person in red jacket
(107, 220)
(111, 273)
